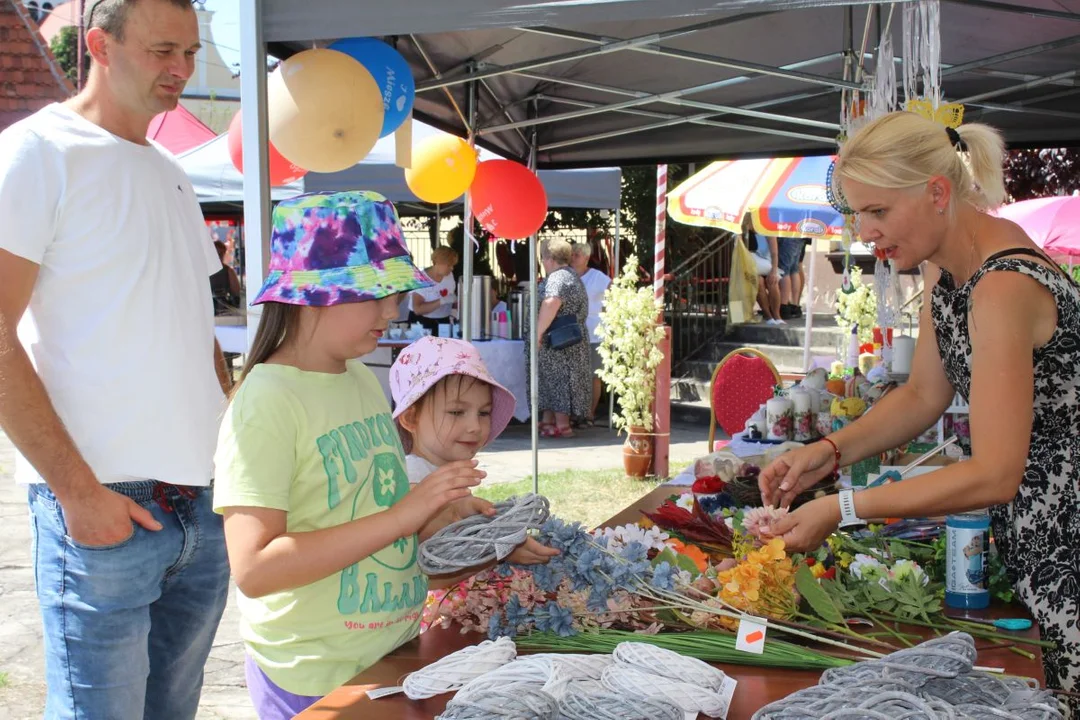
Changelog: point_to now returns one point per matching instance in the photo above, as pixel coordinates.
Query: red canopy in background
(178, 130)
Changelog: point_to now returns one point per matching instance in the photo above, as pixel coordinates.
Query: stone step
(824, 333)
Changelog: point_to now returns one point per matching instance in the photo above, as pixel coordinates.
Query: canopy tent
(216, 179)
(562, 84)
(178, 130)
(626, 81)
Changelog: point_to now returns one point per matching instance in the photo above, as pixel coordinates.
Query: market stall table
(756, 686)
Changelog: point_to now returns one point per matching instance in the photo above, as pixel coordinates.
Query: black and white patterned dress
(565, 377)
(1038, 533)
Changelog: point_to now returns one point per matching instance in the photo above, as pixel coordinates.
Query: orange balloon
(508, 200)
(442, 169)
(325, 110)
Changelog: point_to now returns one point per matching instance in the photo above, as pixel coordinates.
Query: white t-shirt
(445, 289)
(596, 284)
(418, 468)
(120, 325)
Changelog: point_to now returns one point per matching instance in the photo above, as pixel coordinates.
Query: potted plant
(630, 353)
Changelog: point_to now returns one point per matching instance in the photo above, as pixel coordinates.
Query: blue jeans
(128, 627)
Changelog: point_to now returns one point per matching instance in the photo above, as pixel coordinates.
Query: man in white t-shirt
(596, 284)
(108, 386)
(432, 306)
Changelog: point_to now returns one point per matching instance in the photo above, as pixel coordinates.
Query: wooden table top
(756, 686)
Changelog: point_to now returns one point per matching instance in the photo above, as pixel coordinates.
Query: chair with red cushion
(742, 381)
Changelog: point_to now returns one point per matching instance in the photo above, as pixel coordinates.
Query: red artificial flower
(708, 485)
(811, 561)
(444, 292)
(830, 574)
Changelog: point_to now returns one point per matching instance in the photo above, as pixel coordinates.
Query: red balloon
(508, 199)
(282, 172)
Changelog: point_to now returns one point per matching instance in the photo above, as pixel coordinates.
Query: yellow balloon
(325, 110)
(442, 169)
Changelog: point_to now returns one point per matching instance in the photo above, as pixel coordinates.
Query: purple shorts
(270, 701)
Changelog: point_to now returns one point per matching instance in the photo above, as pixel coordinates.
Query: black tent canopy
(579, 83)
(635, 81)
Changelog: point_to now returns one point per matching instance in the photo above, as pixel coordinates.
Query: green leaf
(816, 597)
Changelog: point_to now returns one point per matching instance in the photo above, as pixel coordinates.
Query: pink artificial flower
(756, 521)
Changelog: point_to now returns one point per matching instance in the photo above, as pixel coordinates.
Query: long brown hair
(278, 321)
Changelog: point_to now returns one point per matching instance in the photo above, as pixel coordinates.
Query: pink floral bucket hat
(427, 361)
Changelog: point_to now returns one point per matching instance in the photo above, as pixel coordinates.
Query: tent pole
(808, 323)
(465, 298)
(256, 139)
(615, 273)
(534, 350)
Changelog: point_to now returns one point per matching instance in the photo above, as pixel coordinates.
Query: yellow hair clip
(949, 114)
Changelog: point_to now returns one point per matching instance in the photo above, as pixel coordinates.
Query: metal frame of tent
(718, 115)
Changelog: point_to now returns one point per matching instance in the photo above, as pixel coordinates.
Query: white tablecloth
(505, 360)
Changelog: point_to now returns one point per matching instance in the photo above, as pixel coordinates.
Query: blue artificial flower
(634, 552)
(515, 613)
(504, 570)
(598, 598)
(589, 563)
(662, 576)
(547, 577)
(542, 618)
(714, 504)
(495, 629)
(561, 620)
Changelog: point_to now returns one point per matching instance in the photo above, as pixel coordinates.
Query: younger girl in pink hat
(447, 408)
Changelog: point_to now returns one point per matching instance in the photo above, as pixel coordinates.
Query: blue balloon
(391, 73)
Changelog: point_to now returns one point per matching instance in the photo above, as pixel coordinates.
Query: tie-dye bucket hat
(333, 248)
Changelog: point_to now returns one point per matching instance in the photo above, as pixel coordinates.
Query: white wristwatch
(848, 518)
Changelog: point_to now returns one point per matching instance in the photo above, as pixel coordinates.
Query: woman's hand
(532, 552)
(805, 529)
(795, 471)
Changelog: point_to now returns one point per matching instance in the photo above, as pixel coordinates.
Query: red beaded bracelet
(836, 455)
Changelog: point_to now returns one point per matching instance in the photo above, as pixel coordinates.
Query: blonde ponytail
(904, 150)
(985, 160)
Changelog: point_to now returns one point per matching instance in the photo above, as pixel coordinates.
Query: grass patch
(3, 680)
(590, 497)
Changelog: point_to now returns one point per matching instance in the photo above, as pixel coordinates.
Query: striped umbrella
(785, 196)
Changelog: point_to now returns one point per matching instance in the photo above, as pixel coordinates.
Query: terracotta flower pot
(638, 453)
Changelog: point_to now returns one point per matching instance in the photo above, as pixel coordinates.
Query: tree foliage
(1042, 173)
(65, 47)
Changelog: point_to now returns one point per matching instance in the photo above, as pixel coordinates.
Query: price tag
(377, 693)
(751, 635)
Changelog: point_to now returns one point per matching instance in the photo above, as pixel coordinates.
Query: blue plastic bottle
(967, 550)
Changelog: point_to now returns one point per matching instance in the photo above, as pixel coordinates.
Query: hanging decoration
(922, 51)
(391, 74)
(442, 169)
(325, 110)
(508, 199)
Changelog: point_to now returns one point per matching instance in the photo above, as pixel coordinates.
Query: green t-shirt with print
(323, 448)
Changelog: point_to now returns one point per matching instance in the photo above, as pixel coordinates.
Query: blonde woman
(433, 305)
(1001, 327)
(565, 389)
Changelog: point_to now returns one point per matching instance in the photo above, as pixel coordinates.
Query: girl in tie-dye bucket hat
(320, 523)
